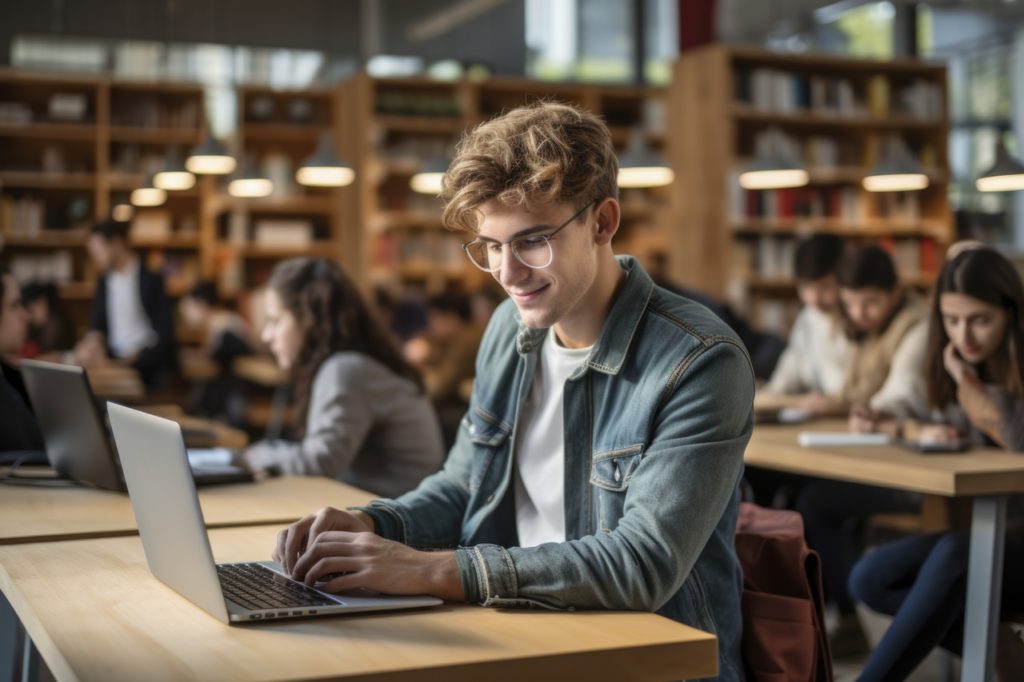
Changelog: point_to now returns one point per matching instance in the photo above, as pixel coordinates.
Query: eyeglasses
(532, 250)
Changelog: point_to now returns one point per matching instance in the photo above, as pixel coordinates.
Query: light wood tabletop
(94, 612)
(34, 514)
(985, 471)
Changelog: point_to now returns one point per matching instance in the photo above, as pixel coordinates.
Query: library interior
(742, 399)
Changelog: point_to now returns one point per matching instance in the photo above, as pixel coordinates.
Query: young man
(132, 319)
(18, 427)
(888, 331)
(598, 464)
(813, 366)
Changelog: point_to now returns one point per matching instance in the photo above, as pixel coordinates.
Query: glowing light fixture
(641, 166)
(210, 158)
(174, 177)
(324, 168)
(428, 180)
(773, 166)
(250, 184)
(1007, 175)
(897, 170)
(148, 196)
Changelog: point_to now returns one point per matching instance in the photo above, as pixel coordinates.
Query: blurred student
(813, 365)
(18, 427)
(363, 414)
(888, 329)
(975, 376)
(48, 329)
(132, 320)
(226, 337)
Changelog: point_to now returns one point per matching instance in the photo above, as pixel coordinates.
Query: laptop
(77, 440)
(177, 547)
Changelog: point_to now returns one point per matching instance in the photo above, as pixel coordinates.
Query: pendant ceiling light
(324, 168)
(174, 176)
(641, 166)
(250, 184)
(428, 180)
(774, 166)
(148, 196)
(897, 170)
(210, 158)
(1007, 175)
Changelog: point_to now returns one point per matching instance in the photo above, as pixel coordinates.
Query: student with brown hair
(887, 327)
(598, 465)
(363, 415)
(975, 377)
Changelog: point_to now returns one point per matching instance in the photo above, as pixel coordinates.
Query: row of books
(434, 249)
(838, 203)
(53, 266)
(776, 90)
(773, 257)
(26, 215)
(155, 112)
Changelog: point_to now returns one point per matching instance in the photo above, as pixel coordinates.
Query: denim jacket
(656, 422)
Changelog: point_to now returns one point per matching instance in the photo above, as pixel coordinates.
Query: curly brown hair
(336, 317)
(543, 153)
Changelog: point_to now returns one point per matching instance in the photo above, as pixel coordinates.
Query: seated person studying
(363, 415)
(132, 320)
(599, 463)
(887, 327)
(975, 380)
(812, 368)
(19, 432)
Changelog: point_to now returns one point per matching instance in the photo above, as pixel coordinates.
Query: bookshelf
(835, 114)
(74, 147)
(393, 127)
(276, 131)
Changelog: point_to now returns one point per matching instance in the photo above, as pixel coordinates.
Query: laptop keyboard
(256, 587)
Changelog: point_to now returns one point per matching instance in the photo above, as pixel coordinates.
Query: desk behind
(94, 611)
(984, 471)
(31, 514)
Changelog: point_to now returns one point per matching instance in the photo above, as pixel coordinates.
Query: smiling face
(281, 332)
(975, 328)
(557, 293)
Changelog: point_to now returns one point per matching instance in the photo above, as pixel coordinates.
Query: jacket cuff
(387, 523)
(488, 575)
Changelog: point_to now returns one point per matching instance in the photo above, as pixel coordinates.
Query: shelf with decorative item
(50, 130)
(744, 114)
(47, 180)
(866, 228)
(46, 239)
(295, 204)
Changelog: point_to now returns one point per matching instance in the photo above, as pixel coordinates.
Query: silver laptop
(177, 547)
(78, 443)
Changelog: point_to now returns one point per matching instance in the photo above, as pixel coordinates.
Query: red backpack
(784, 637)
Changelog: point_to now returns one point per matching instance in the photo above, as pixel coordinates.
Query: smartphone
(935, 448)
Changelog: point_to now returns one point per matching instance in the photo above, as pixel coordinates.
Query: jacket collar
(619, 328)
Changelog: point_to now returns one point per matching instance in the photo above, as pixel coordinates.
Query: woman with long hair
(975, 378)
(362, 414)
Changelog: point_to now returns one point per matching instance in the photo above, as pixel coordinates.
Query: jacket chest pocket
(610, 475)
(489, 436)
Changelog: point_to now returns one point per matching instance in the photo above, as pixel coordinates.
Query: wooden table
(30, 514)
(988, 476)
(95, 612)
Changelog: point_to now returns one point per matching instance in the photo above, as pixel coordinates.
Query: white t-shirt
(540, 447)
(128, 326)
(815, 358)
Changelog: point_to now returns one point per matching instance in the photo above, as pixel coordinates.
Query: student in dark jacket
(975, 376)
(132, 320)
(18, 427)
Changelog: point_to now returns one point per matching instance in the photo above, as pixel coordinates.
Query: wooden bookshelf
(393, 127)
(837, 112)
(74, 147)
